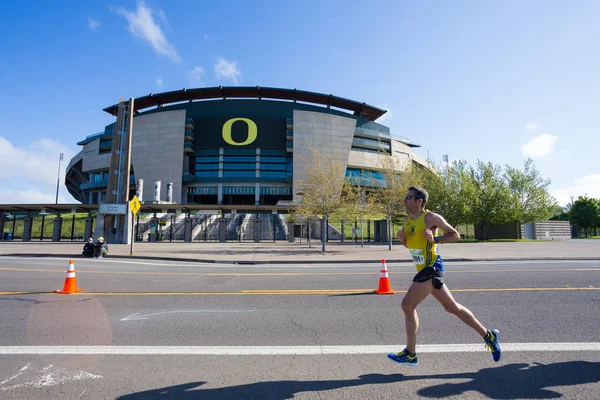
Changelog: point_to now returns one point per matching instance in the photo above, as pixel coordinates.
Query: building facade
(234, 145)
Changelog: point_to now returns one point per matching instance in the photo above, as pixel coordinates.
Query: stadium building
(232, 145)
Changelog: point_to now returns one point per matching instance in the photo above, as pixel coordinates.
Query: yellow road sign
(135, 205)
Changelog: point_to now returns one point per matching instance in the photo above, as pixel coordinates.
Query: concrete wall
(362, 159)
(329, 134)
(93, 161)
(157, 151)
(543, 230)
(550, 230)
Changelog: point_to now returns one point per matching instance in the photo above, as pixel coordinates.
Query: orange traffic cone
(70, 282)
(384, 281)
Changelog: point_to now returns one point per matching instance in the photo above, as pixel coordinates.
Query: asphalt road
(164, 330)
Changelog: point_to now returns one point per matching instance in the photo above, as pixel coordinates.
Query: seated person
(101, 248)
(88, 248)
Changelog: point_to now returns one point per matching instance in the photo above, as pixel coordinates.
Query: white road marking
(25, 368)
(48, 376)
(288, 350)
(137, 316)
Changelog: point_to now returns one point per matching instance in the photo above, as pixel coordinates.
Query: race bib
(417, 255)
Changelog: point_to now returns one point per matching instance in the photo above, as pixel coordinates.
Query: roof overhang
(252, 92)
(49, 208)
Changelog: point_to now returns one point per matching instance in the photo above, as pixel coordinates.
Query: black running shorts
(427, 273)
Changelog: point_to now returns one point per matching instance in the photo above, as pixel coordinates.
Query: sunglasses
(410, 196)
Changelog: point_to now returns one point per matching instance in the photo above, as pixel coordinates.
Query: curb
(279, 262)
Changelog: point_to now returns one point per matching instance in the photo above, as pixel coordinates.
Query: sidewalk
(288, 253)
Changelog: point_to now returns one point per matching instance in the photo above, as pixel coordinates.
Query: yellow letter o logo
(252, 131)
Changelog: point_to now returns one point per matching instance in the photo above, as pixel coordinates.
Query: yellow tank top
(424, 254)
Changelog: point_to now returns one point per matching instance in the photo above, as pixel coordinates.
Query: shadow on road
(351, 294)
(513, 381)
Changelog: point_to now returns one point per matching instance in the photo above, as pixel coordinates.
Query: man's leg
(444, 296)
(417, 292)
(491, 338)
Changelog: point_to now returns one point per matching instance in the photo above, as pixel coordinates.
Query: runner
(419, 235)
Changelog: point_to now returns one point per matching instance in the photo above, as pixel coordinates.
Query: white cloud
(587, 185)
(29, 174)
(195, 75)
(93, 23)
(531, 127)
(540, 146)
(143, 26)
(385, 117)
(159, 82)
(227, 70)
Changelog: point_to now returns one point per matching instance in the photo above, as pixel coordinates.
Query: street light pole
(62, 156)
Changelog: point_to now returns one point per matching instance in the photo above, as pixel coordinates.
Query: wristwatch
(436, 239)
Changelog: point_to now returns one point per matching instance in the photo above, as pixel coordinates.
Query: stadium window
(272, 159)
(272, 174)
(207, 159)
(238, 152)
(239, 174)
(206, 174)
(239, 159)
(367, 150)
(208, 152)
(272, 152)
(206, 167)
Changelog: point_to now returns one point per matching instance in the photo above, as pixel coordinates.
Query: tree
(585, 213)
(321, 190)
(393, 178)
(531, 201)
(491, 203)
(358, 202)
(561, 214)
(450, 192)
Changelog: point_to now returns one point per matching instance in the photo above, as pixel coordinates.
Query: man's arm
(402, 234)
(433, 220)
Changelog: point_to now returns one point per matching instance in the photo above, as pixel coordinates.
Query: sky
(493, 81)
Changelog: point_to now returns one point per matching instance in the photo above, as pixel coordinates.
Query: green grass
(36, 229)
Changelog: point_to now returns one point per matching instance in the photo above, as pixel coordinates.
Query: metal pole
(72, 227)
(126, 142)
(117, 221)
(171, 239)
(137, 228)
(42, 234)
(62, 155)
(132, 234)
